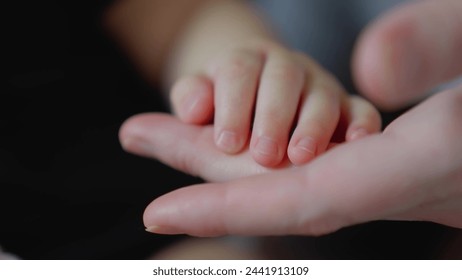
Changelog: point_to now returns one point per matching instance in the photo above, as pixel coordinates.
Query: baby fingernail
(266, 146)
(190, 104)
(227, 141)
(307, 145)
(358, 134)
(152, 229)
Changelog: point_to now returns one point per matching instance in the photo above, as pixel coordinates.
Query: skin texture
(261, 91)
(226, 67)
(411, 171)
(405, 53)
(384, 176)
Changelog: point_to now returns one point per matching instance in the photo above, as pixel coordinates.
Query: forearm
(167, 39)
(146, 29)
(219, 25)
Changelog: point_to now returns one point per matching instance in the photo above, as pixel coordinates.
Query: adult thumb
(407, 52)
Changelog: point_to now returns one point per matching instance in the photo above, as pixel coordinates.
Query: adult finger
(188, 148)
(343, 187)
(378, 177)
(409, 51)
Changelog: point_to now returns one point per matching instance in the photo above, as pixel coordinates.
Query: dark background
(68, 190)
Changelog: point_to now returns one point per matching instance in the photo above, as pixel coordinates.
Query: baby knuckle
(237, 64)
(288, 72)
(330, 90)
(317, 126)
(264, 44)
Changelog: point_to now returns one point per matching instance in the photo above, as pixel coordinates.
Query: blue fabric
(324, 29)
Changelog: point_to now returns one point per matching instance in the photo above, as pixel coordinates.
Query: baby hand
(280, 100)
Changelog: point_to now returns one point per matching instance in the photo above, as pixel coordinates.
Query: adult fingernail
(152, 229)
(136, 145)
(266, 146)
(163, 230)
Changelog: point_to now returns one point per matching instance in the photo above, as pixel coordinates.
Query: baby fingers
(363, 118)
(318, 115)
(236, 77)
(192, 99)
(281, 84)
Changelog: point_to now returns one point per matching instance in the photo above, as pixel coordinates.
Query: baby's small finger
(236, 77)
(192, 99)
(364, 119)
(319, 113)
(317, 121)
(277, 103)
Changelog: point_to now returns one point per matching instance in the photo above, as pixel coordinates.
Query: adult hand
(412, 171)
(409, 51)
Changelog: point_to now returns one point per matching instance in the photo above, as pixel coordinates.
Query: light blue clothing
(324, 29)
(328, 29)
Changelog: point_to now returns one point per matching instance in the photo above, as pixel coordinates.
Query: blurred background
(68, 190)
